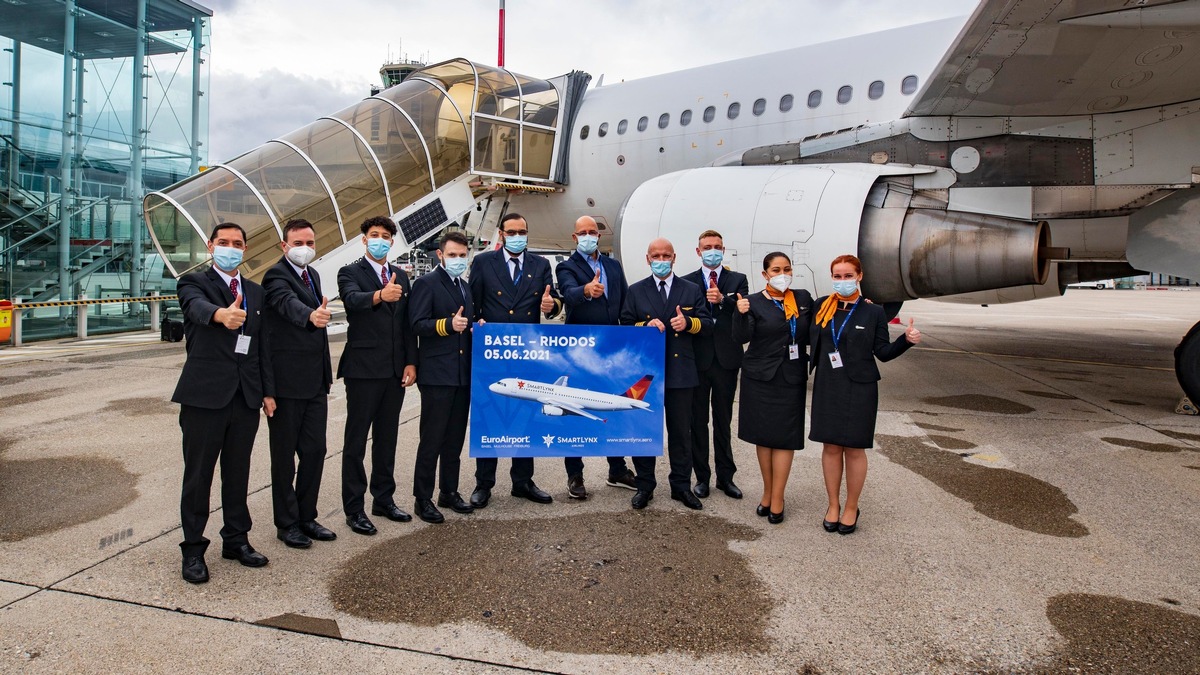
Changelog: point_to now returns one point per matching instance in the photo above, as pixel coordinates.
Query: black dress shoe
(701, 490)
(762, 511)
(480, 497)
(732, 491)
(830, 526)
(244, 554)
(775, 518)
(454, 501)
(689, 500)
(532, 492)
(642, 498)
(427, 512)
(292, 537)
(360, 523)
(391, 512)
(316, 531)
(849, 529)
(194, 569)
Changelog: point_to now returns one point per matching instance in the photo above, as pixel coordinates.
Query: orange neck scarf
(790, 310)
(829, 308)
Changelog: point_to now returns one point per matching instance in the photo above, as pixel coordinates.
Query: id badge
(243, 345)
(835, 359)
(793, 352)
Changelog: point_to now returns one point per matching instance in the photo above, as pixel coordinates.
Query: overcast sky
(277, 65)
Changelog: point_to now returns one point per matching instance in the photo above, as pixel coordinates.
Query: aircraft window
(908, 85)
(735, 109)
(622, 127)
(583, 133)
(685, 118)
(814, 98)
(663, 120)
(603, 130)
(875, 90)
(643, 123)
(709, 113)
(845, 93)
(785, 103)
(760, 106)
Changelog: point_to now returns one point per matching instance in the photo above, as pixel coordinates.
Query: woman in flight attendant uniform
(774, 375)
(846, 337)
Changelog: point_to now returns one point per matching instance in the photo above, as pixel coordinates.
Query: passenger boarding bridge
(412, 151)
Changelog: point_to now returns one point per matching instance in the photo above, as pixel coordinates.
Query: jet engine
(911, 246)
(553, 411)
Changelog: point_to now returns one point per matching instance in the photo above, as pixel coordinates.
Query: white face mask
(780, 282)
(301, 255)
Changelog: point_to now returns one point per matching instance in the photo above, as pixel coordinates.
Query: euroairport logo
(504, 439)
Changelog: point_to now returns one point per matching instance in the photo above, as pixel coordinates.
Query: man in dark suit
(226, 378)
(297, 314)
(379, 361)
(718, 357)
(677, 308)
(593, 288)
(441, 313)
(511, 285)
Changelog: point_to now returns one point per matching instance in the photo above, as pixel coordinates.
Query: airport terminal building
(102, 102)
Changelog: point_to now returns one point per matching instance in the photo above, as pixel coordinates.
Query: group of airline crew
(252, 347)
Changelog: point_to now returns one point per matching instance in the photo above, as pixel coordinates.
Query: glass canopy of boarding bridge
(438, 127)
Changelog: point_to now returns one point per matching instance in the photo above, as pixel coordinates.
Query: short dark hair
(297, 224)
(454, 236)
(773, 255)
(510, 216)
(226, 226)
(379, 221)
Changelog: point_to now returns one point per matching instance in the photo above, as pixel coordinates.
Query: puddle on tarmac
(1105, 634)
(142, 406)
(1189, 466)
(1123, 401)
(981, 403)
(1003, 495)
(934, 427)
(44, 495)
(17, 379)
(1179, 435)
(29, 397)
(1047, 394)
(643, 582)
(950, 442)
(304, 624)
(1147, 446)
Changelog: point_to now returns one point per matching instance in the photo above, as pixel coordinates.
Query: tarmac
(1032, 506)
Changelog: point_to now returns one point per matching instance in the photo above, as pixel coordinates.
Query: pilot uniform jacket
(769, 335)
(444, 356)
(644, 303)
(301, 365)
(720, 345)
(574, 273)
(377, 334)
(498, 300)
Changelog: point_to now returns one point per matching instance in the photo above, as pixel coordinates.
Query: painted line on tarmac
(1043, 358)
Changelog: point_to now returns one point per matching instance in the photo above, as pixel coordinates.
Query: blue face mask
(227, 258)
(712, 258)
(515, 243)
(845, 288)
(587, 244)
(378, 248)
(454, 266)
(660, 268)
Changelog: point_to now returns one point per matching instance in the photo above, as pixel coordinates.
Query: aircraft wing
(1067, 57)
(571, 408)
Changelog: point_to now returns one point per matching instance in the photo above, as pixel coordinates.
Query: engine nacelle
(553, 411)
(911, 247)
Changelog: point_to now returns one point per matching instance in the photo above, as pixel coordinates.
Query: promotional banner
(550, 390)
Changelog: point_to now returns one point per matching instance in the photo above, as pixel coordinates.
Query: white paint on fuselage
(583, 398)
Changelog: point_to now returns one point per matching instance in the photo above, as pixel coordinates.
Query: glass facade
(84, 138)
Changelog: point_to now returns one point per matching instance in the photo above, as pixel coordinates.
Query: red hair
(853, 261)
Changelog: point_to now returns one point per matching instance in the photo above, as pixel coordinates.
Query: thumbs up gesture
(713, 295)
(911, 333)
(594, 289)
(391, 291)
(743, 304)
(678, 322)
(233, 316)
(459, 322)
(321, 315)
(547, 301)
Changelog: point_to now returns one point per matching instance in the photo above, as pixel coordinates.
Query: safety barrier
(81, 318)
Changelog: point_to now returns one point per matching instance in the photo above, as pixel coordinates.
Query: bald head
(660, 251)
(586, 225)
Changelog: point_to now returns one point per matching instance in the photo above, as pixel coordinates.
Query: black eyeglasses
(515, 233)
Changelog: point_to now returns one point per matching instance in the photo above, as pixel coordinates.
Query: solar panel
(424, 220)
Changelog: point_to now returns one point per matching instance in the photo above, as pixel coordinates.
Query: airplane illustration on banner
(558, 399)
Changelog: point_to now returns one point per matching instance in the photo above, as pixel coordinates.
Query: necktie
(307, 281)
(459, 285)
(516, 270)
(233, 286)
(712, 283)
(662, 291)
(383, 275)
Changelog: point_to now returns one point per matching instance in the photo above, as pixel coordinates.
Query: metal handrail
(31, 237)
(7, 138)
(45, 206)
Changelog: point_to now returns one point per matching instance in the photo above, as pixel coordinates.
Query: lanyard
(833, 329)
(242, 328)
(791, 321)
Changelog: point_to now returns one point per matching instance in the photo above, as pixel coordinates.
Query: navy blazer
(443, 356)
(300, 350)
(720, 346)
(574, 273)
(497, 299)
(860, 343)
(644, 303)
(213, 371)
(770, 337)
(379, 343)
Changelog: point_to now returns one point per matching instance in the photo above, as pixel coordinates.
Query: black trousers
(616, 466)
(717, 386)
(677, 406)
(444, 413)
(226, 434)
(297, 431)
(371, 405)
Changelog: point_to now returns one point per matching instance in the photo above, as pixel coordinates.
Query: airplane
(1036, 144)
(559, 399)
